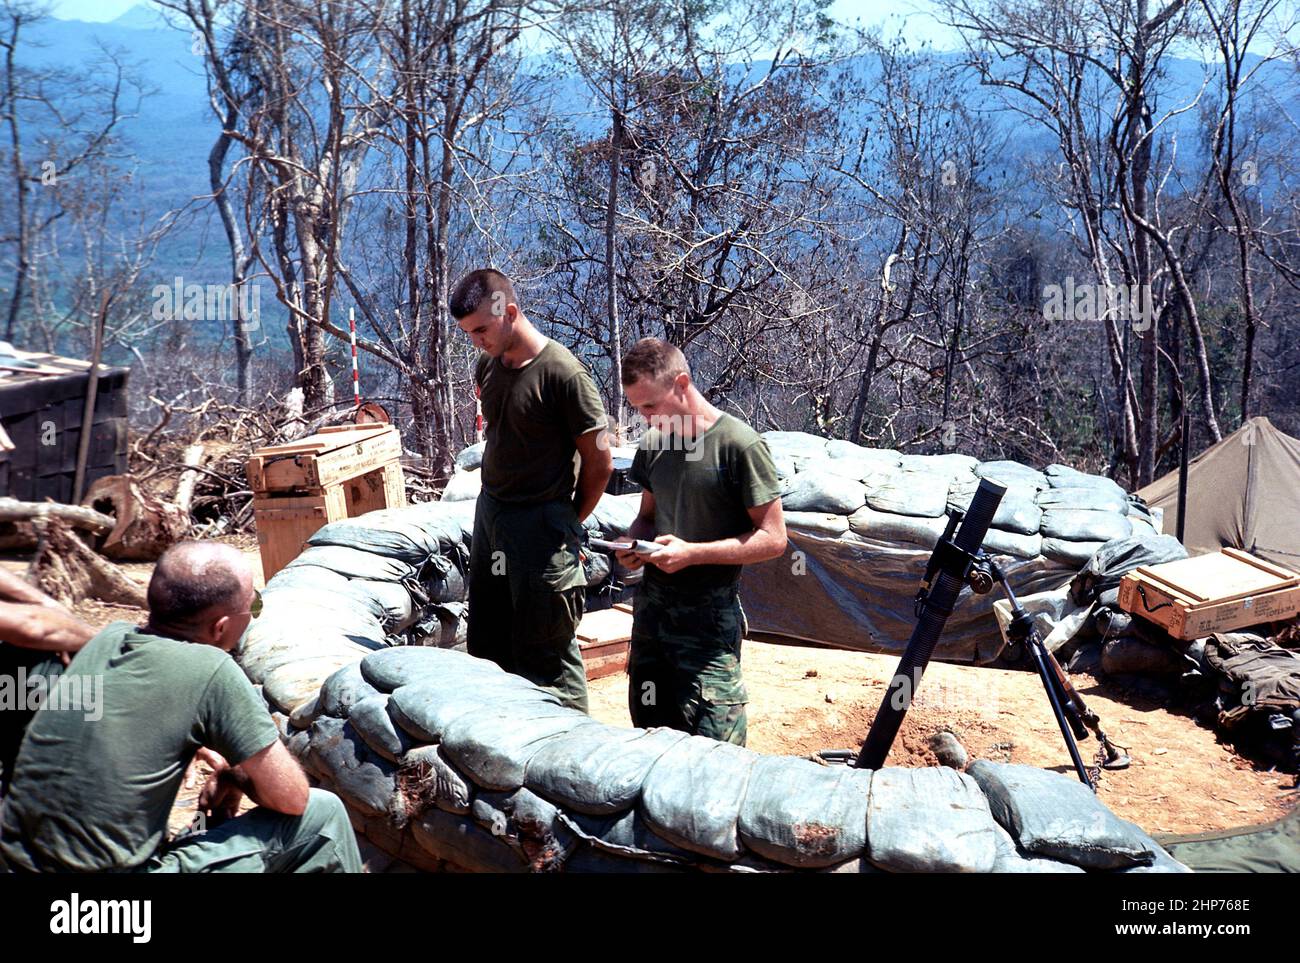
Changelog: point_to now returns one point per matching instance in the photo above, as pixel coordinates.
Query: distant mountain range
(173, 128)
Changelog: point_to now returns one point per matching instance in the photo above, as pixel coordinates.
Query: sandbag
(803, 814)
(1072, 554)
(427, 778)
(1063, 476)
(426, 709)
(929, 821)
(311, 578)
(999, 542)
(1084, 499)
(598, 769)
(1117, 558)
(464, 843)
(952, 464)
(869, 471)
(388, 669)
(527, 823)
(463, 486)
(1084, 526)
(627, 835)
(797, 444)
(388, 536)
(280, 642)
(886, 527)
(911, 493)
(817, 523)
(1012, 474)
(300, 600)
(839, 448)
(493, 746)
(471, 458)
(614, 514)
(291, 685)
(1053, 815)
(355, 563)
(821, 491)
(1017, 511)
(1127, 654)
(693, 794)
(360, 776)
(1011, 860)
(396, 609)
(370, 719)
(306, 713)
(442, 581)
(343, 689)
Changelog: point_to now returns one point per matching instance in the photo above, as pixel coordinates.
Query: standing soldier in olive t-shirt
(526, 585)
(711, 497)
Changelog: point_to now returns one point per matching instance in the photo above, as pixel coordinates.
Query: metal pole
(1182, 473)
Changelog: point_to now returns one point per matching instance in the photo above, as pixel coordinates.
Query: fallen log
(12, 510)
(66, 569)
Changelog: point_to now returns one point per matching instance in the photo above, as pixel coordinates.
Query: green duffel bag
(1271, 848)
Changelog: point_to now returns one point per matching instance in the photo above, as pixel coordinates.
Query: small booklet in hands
(639, 545)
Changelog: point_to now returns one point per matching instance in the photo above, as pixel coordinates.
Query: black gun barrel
(942, 596)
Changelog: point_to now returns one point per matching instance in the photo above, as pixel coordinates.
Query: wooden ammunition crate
(1194, 597)
(340, 472)
(603, 638)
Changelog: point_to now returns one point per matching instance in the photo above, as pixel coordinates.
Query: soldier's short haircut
(655, 360)
(471, 291)
(190, 578)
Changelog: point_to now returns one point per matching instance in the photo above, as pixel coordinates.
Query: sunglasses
(255, 609)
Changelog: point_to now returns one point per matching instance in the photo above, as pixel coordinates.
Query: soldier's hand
(630, 560)
(675, 555)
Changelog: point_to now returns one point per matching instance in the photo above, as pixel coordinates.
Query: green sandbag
(693, 794)
(920, 493)
(803, 814)
(343, 689)
(1084, 499)
(1011, 860)
(464, 843)
(390, 668)
(355, 563)
(527, 823)
(590, 859)
(1053, 815)
(866, 522)
(356, 773)
(932, 820)
(598, 769)
(1084, 526)
(427, 778)
(371, 720)
(627, 835)
(493, 746)
(817, 523)
(426, 710)
(816, 490)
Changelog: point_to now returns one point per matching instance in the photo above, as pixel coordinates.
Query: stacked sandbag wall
(445, 761)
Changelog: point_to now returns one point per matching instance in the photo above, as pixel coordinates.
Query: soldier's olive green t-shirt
(532, 416)
(703, 488)
(94, 793)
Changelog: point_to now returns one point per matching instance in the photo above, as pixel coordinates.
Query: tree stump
(143, 526)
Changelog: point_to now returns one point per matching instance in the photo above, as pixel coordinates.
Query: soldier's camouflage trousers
(684, 663)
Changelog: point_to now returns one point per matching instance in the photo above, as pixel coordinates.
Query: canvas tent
(1243, 492)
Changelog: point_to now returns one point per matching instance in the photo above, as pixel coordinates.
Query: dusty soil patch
(1182, 778)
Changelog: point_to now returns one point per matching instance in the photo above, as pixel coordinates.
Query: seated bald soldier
(92, 792)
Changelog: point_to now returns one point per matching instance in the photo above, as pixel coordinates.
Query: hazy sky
(890, 13)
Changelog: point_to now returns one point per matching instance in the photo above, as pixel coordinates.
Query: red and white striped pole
(356, 378)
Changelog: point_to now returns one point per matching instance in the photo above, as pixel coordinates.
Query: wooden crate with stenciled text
(340, 472)
(1219, 592)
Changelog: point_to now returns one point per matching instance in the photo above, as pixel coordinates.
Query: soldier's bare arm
(593, 475)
